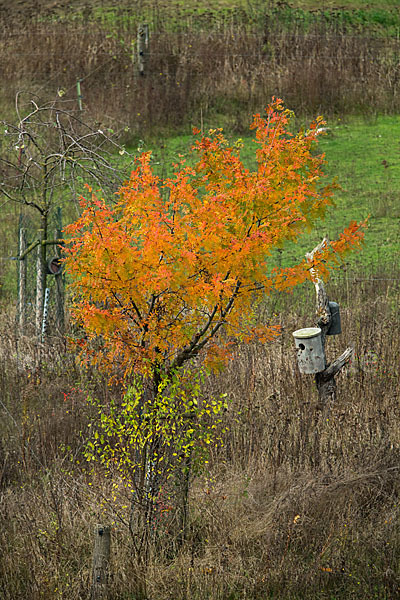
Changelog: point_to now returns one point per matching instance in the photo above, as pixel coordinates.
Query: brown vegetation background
(296, 503)
(208, 67)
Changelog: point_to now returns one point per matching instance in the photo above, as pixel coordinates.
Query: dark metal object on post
(335, 327)
(54, 266)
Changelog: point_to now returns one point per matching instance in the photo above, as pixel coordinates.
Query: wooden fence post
(79, 94)
(142, 47)
(101, 562)
(45, 315)
(40, 284)
(22, 271)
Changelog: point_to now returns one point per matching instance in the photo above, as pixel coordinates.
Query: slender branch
(20, 201)
(127, 309)
(29, 249)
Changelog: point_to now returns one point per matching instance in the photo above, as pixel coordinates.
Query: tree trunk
(22, 272)
(142, 47)
(40, 284)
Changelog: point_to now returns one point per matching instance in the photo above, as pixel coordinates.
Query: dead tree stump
(325, 380)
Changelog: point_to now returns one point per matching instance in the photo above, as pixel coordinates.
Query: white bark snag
(142, 47)
(101, 562)
(22, 268)
(323, 312)
(45, 315)
(325, 379)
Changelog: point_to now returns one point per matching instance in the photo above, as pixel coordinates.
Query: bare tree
(46, 157)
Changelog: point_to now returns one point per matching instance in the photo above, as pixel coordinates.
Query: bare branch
(55, 147)
(338, 364)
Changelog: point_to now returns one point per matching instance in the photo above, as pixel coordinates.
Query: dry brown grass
(223, 69)
(295, 504)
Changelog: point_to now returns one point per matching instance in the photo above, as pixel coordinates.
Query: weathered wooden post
(40, 282)
(328, 321)
(142, 47)
(45, 314)
(79, 94)
(43, 269)
(101, 562)
(22, 272)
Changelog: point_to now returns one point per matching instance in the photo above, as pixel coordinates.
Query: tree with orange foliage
(171, 270)
(160, 272)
